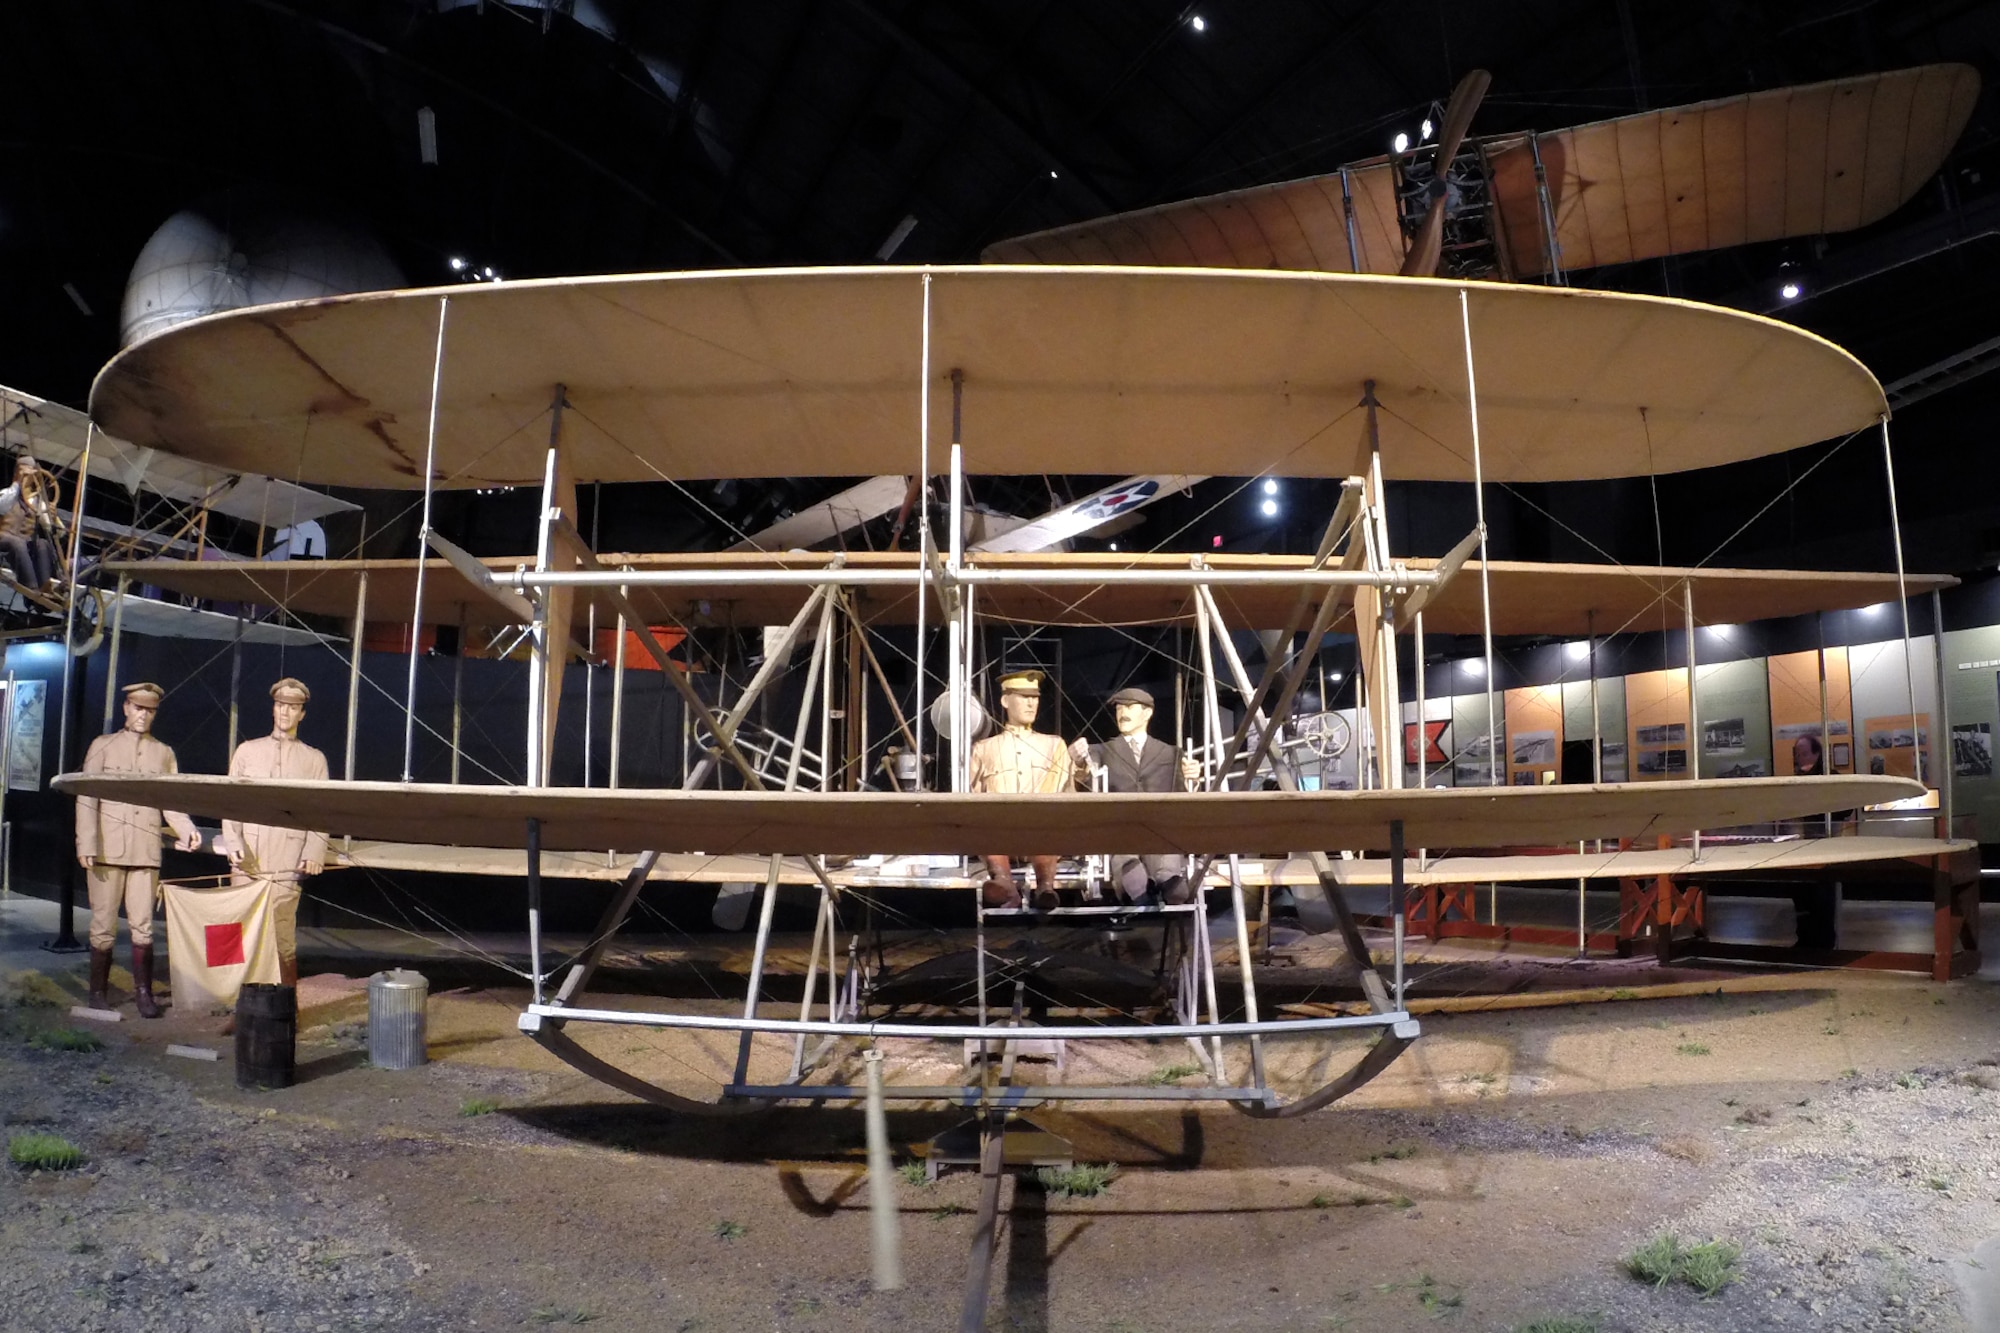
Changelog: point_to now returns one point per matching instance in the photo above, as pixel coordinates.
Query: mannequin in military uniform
(1020, 759)
(1136, 762)
(119, 846)
(284, 857)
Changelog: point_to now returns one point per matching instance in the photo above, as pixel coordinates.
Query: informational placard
(1804, 740)
(29, 706)
(1734, 705)
(1656, 712)
(1534, 735)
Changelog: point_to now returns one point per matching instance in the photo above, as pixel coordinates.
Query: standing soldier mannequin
(282, 857)
(1020, 759)
(1137, 762)
(119, 846)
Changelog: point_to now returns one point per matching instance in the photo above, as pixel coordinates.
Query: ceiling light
(1198, 23)
(1577, 651)
(1401, 143)
(1429, 129)
(1790, 291)
(1875, 610)
(1052, 174)
(1333, 676)
(1722, 631)
(1270, 509)
(457, 264)
(1473, 666)
(1114, 546)
(1270, 486)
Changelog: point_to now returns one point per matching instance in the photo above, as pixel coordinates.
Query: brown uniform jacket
(1018, 760)
(267, 850)
(115, 833)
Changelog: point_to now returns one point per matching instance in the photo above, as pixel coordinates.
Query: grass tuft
(44, 1152)
(1082, 1181)
(556, 1314)
(66, 1039)
(478, 1106)
(1711, 1266)
(1657, 1261)
(914, 1174)
(1910, 1081)
(1692, 1048)
(727, 1229)
(1171, 1074)
(1707, 1267)
(1566, 1323)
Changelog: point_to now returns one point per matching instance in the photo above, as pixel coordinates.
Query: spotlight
(1429, 129)
(1114, 546)
(1722, 631)
(1474, 666)
(1401, 143)
(1270, 486)
(1053, 175)
(457, 264)
(1875, 610)
(1270, 508)
(1198, 23)
(1333, 676)
(1216, 541)
(1577, 651)
(1790, 291)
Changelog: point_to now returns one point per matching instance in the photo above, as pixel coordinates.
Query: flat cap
(1131, 694)
(292, 686)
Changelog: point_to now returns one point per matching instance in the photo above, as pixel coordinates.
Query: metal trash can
(396, 1019)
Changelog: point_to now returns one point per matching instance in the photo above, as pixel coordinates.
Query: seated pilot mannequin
(1138, 762)
(1020, 759)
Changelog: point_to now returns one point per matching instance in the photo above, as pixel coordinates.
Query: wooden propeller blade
(1428, 244)
(1458, 113)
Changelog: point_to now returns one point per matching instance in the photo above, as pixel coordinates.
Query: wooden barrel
(267, 1030)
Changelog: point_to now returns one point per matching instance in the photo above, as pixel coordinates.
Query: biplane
(945, 373)
(168, 503)
(1525, 206)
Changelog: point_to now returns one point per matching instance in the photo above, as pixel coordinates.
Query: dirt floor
(1843, 1130)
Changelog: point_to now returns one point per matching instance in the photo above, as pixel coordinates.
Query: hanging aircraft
(1522, 206)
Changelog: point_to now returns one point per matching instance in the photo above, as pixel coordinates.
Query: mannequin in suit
(1137, 762)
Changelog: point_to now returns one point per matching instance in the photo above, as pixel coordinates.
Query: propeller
(1428, 243)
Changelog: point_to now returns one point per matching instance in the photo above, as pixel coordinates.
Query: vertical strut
(423, 553)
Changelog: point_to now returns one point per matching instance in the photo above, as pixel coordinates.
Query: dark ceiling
(584, 136)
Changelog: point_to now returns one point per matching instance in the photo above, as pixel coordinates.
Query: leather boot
(142, 981)
(100, 979)
(1045, 881)
(999, 889)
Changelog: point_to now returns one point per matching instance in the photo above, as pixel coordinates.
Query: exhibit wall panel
(1797, 698)
(1472, 745)
(1656, 718)
(1734, 707)
(1610, 720)
(1972, 692)
(1889, 737)
(1430, 741)
(1534, 735)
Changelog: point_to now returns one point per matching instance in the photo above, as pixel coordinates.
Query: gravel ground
(1516, 1158)
(187, 1215)
(1864, 1217)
